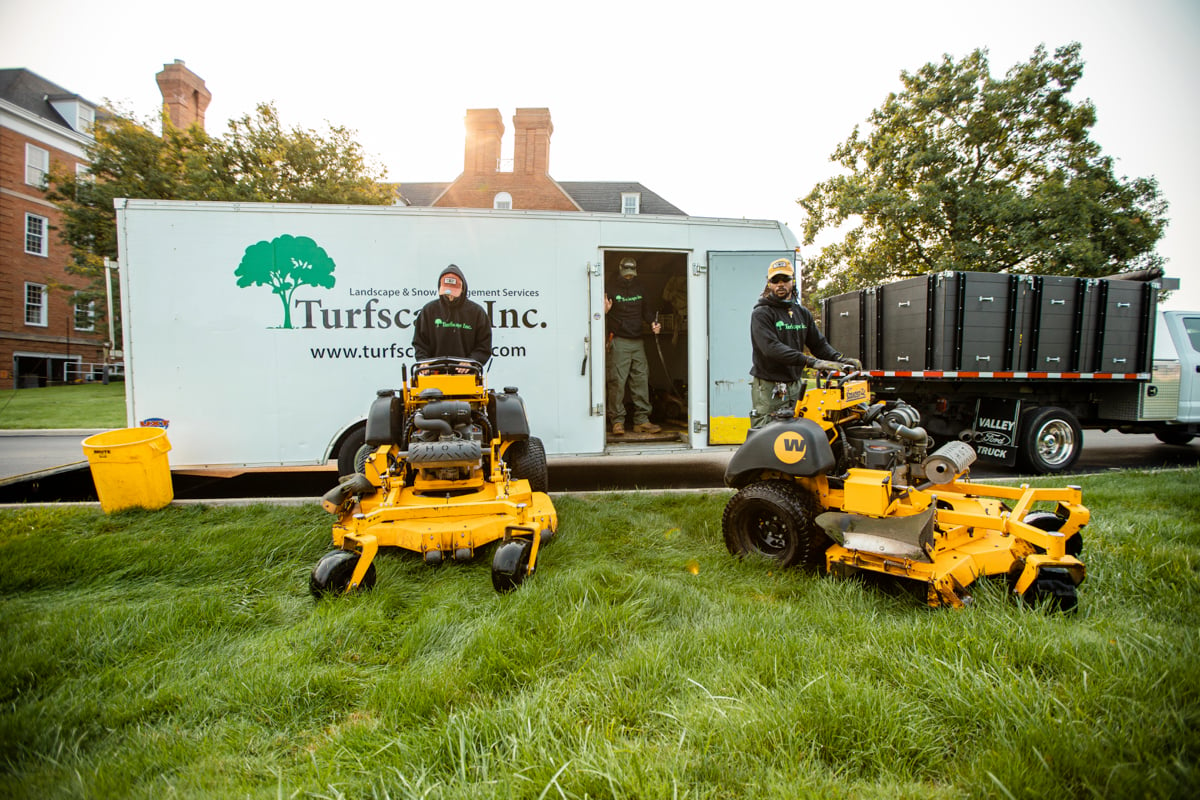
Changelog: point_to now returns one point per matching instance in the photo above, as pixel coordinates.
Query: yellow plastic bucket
(130, 469)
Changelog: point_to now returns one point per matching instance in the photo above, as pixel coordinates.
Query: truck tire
(777, 521)
(1050, 440)
(1174, 437)
(348, 452)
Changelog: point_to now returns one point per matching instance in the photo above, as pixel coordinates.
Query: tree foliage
(962, 171)
(257, 160)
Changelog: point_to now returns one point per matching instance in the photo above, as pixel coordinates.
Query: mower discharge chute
(854, 487)
(448, 467)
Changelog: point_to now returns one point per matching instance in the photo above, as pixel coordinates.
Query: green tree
(962, 171)
(285, 264)
(257, 160)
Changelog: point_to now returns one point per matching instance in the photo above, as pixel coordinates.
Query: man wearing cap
(451, 326)
(780, 330)
(627, 308)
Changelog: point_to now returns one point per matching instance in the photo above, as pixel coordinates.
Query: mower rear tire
(527, 459)
(775, 520)
(510, 564)
(1049, 521)
(332, 574)
(1054, 589)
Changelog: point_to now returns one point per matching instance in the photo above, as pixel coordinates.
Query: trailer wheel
(1051, 440)
(348, 452)
(1174, 437)
(527, 460)
(333, 572)
(775, 520)
(1049, 521)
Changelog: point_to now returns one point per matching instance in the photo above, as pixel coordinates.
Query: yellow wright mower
(853, 487)
(448, 467)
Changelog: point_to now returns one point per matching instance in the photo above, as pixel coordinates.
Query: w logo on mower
(789, 447)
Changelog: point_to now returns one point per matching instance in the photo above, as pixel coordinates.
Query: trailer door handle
(1118, 361)
(983, 358)
(983, 299)
(1055, 359)
(844, 314)
(1058, 302)
(902, 358)
(904, 304)
(1122, 305)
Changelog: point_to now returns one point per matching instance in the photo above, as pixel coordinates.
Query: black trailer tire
(775, 520)
(347, 454)
(527, 459)
(1050, 441)
(1174, 437)
(333, 572)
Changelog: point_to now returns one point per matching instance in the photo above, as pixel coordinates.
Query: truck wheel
(1174, 437)
(527, 460)
(348, 452)
(775, 520)
(1050, 441)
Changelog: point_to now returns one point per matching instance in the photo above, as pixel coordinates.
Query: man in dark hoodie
(780, 330)
(453, 326)
(627, 308)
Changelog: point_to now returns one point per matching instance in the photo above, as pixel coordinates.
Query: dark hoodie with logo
(453, 327)
(779, 332)
(630, 308)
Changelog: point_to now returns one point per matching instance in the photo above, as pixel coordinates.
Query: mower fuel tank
(507, 410)
(797, 447)
(385, 419)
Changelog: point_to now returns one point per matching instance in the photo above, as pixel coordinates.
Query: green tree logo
(285, 264)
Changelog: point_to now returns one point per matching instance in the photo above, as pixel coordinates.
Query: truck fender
(797, 447)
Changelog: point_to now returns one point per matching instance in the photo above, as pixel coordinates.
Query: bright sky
(730, 111)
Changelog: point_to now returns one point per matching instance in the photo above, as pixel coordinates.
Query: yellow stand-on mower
(853, 488)
(448, 467)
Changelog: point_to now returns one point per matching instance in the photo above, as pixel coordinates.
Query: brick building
(527, 185)
(45, 336)
(42, 328)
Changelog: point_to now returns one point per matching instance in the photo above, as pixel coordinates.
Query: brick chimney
(485, 129)
(531, 151)
(184, 95)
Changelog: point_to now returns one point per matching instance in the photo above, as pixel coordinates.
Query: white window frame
(502, 201)
(86, 313)
(86, 118)
(37, 242)
(35, 302)
(37, 165)
(631, 203)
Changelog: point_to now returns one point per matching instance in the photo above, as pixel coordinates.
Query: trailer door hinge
(597, 410)
(699, 268)
(594, 269)
(698, 426)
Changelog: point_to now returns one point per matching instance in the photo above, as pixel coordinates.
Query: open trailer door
(735, 281)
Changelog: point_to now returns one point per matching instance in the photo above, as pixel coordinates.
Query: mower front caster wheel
(1053, 588)
(332, 574)
(510, 565)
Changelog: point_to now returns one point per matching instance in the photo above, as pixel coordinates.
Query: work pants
(627, 365)
(765, 403)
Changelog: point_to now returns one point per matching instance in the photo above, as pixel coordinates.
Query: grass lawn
(87, 405)
(179, 654)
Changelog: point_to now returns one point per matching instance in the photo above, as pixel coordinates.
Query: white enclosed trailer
(259, 333)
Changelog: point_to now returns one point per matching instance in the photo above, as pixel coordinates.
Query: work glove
(827, 366)
(852, 364)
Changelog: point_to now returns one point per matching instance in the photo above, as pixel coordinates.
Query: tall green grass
(87, 405)
(179, 654)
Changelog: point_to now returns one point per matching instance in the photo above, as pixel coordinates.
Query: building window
(87, 119)
(631, 203)
(35, 235)
(85, 315)
(35, 304)
(502, 201)
(37, 165)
